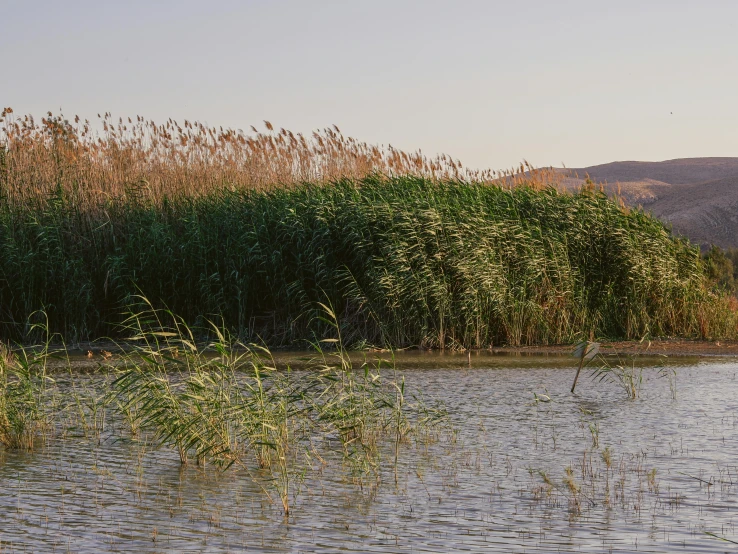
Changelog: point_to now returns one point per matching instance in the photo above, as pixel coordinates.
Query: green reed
(26, 398)
(225, 402)
(221, 402)
(403, 261)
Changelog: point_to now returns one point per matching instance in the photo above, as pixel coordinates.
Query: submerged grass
(403, 261)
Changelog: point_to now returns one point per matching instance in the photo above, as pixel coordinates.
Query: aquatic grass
(671, 375)
(89, 407)
(192, 411)
(26, 402)
(225, 402)
(625, 375)
(585, 351)
(602, 482)
(594, 430)
(22, 417)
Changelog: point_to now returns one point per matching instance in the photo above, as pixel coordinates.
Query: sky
(489, 82)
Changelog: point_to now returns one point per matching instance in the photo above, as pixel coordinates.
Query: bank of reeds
(409, 250)
(405, 261)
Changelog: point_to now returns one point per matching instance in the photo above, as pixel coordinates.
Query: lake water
(591, 472)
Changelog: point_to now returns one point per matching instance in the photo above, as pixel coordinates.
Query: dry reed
(93, 162)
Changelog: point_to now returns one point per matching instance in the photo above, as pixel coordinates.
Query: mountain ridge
(698, 197)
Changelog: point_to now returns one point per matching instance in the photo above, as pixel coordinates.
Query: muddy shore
(663, 347)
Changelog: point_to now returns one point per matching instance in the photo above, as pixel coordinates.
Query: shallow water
(480, 488)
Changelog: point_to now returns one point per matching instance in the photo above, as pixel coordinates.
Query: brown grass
(127, 157)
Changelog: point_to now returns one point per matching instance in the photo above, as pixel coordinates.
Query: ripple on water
(481, 489)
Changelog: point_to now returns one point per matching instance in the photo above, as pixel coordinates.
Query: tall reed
(410, 250)
(26, 403)
(404, 261)
(134, 158)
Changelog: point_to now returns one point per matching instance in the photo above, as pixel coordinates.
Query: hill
(697, 196)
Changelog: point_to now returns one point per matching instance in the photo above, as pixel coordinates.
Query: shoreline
(659, 347)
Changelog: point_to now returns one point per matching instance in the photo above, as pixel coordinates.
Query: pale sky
(489, 82)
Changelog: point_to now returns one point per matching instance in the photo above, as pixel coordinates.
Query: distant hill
(697, 196)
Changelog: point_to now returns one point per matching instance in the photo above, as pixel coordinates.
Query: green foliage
(403, 261)
(226, 403)
(720, 268)
(25, 405)
(732, 255)
(625, 375)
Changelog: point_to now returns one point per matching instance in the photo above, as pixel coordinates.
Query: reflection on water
(593, 472)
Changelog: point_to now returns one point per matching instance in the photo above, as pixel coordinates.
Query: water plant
(671, 374)
(24, 394)
(625, 375)
(585, 351)
(594, 430)
(225, 402)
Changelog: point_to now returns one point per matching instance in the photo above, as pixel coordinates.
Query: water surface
(497, 482)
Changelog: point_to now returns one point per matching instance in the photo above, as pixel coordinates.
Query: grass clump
(25, 397)
(227, 403)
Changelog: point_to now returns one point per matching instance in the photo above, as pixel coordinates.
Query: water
(480, 488)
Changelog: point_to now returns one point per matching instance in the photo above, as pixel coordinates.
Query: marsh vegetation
(404, 262)
(224, 403)
(200, 249)
(255, 231)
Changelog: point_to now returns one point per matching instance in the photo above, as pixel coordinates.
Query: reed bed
(108, 158)
(260, 229)
(405, 261)
(27, 398)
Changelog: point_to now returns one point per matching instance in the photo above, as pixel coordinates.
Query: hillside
(697, 196)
